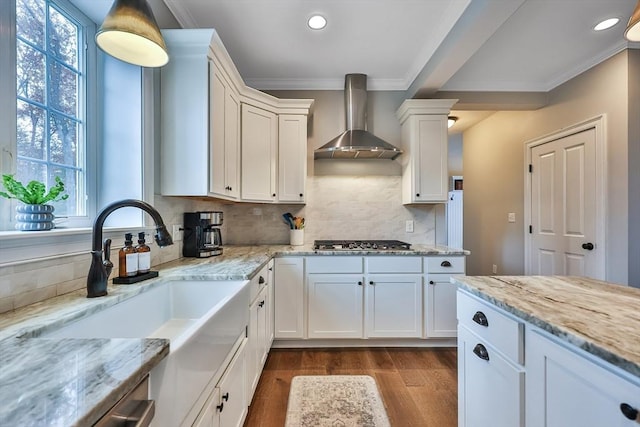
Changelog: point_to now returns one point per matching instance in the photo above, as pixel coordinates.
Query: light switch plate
(177, 234)
(511, 217)
(408, 226)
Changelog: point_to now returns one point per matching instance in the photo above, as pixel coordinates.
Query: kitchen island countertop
(599, 317)
(48, 381)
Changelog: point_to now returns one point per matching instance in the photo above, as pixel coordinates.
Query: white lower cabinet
(227, 404)
(335, 305)
(490, 387)
(394, 305)
(566, 388)
(491, 374)
(288, 290)
(259, 331)
(440, 295)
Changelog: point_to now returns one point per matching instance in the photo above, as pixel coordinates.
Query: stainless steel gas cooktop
(368, 245)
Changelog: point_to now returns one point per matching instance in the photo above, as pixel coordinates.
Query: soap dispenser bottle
(144, 254)
(128, 258)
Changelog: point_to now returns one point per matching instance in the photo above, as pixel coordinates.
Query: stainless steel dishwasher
(133, 410)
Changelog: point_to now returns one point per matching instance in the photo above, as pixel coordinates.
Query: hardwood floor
(418, 386)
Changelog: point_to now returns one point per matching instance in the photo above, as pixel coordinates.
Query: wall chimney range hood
(356, 142)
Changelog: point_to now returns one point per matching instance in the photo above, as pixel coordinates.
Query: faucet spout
(101, 268)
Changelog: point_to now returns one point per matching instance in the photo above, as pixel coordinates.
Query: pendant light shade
(130, 33)
(632, 33)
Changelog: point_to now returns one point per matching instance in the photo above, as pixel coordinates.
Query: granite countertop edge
(563, 334)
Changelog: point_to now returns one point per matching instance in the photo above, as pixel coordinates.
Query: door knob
(588, 246)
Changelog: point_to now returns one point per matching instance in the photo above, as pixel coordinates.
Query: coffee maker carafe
(202, 237)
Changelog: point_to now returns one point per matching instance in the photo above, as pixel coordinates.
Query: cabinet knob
(261, 280)
(273, 195)
(371, 282)
(481, 351)
(445, 264)
(431, 282)
(417, 194)
(629, 411)
(588, 246)
(480, 319)
(225, 397)
(261, 304)
(220, 407)
(359, 283)
(301, 195)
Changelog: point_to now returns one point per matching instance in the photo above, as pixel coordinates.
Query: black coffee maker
(202, 237)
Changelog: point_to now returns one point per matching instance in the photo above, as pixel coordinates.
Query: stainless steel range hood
(356, 142)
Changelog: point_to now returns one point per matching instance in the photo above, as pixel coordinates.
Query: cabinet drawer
(334, 264)
(444, 264)
(502, 332)
(393, 264)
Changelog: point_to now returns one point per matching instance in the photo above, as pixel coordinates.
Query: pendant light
(632, 33)
(130, 33)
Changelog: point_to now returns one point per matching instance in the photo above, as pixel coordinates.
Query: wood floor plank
(418, 385)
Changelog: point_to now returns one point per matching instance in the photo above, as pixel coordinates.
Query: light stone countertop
(46, 381)
(599, 317)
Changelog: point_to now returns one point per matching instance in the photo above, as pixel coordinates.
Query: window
(49, 104)
(50, 119)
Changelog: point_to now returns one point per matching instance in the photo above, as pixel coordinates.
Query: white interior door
(564, 202)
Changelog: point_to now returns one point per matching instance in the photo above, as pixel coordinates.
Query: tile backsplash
(338, 207)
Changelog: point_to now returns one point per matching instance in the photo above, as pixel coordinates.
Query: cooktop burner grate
(376, 245)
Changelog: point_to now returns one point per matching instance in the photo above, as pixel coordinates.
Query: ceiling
(419, 46)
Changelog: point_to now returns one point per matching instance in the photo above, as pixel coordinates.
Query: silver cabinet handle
(141, 414)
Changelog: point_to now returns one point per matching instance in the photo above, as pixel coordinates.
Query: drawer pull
(445, 264)
(629, 411)
(480, 319)
(261, 304)
(481, 351)
(225, 397)
(261, 280)
(220, 407)
(359, 283)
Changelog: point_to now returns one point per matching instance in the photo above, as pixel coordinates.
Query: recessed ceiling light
(317, 22)
(607, 23)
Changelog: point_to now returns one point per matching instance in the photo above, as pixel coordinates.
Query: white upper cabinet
(225, 133)
(203, 149)
(425, 144)
(292, 158)
(259, 154)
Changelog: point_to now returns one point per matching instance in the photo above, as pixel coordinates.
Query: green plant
(34, 193)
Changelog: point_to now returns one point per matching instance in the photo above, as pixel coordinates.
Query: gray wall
(493, 156)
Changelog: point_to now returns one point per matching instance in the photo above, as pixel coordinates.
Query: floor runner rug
(335, 401)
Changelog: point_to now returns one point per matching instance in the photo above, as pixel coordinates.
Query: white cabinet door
(565, 389)
(270, 305)
(289, 297)
(292, 157)
(440, 306)
(394, 305)
(209, 416)
(490, 388)
(259, 154)
(430, 158)
(424, 139)
(225, 137)
(335, 305)
(233, 401)
(257, 340)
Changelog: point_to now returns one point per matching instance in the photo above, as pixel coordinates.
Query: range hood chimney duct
(356, 142)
